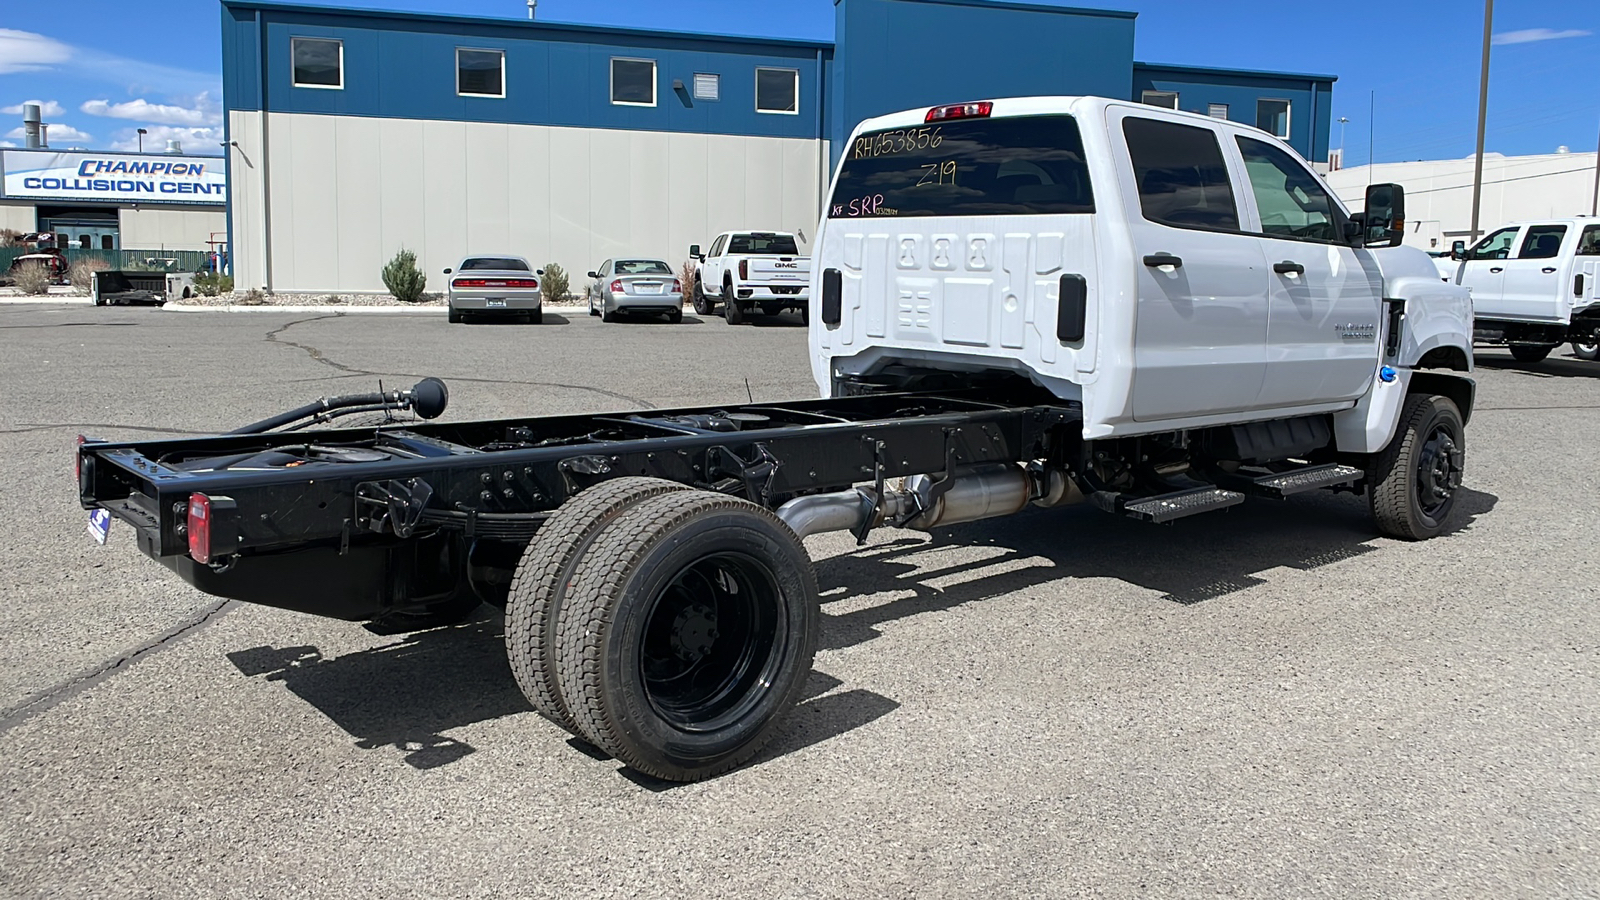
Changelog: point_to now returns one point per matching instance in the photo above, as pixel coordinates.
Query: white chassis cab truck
(1534, 286)
(1020, 303)
(751, 271)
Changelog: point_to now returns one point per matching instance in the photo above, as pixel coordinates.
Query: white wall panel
(165, 228)
(18, 216)
(248, 254)
(358, 187)
(347, 193)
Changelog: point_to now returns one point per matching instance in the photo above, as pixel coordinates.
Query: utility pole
(1594, 205)
(142, 133)
(1483, 114)
(1342, 123)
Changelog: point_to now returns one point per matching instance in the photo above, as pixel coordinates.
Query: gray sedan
(635, 286)
(495, 286)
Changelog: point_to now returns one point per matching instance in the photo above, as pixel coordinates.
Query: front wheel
(687, 633)
(1531, 353)
(1413, 484)
(703, 305)
(1589, 351)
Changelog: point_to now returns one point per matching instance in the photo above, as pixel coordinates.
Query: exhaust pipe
(979, 492)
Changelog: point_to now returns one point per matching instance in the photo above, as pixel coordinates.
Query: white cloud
(58, 134)
(201, 141)
(48, 108)
(1530, 35)
(24, 51)
(7, 144)
(204, 111)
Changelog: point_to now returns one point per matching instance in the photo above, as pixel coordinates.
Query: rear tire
(609, 317)
(455, 317)
(536, 317)
(675, 316)
(688, 633)
(1531, 353)
(1413, 484)
(1586, 351)
(544, 575)
(805, 314)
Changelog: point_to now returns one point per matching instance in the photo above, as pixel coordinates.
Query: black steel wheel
(539, 587)
(1589, 351)
(687, 634)
(1531, 353)
(1413, 484)
(702, 304)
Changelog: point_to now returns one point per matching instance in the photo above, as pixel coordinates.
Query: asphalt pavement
(1267, 702)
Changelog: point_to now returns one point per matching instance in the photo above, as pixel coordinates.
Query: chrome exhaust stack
(924, 502)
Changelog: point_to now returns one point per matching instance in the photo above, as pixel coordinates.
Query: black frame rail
(500, 479)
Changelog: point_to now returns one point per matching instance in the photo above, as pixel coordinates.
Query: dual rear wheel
(671, 628)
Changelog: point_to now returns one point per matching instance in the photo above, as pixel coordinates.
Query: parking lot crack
(274, 337)
(64, 690)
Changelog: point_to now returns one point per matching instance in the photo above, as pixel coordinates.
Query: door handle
(1496, 270)
(1157, 260)
(1548, 270)
(1288, 267)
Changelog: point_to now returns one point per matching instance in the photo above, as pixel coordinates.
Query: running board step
(1168, 507)
(1299, 481)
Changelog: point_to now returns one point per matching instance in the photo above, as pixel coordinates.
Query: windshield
(504, 263)
(1028, 165)
(643, 267)
(758, 242)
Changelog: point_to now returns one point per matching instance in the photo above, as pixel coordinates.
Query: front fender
(1438, 320)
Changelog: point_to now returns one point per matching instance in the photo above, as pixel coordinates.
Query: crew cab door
(1200, 333)
(1534, 287)
(711, 270)
(1483, 272)
(1324, 297)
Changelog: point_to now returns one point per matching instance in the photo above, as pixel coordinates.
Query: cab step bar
(1299, 481)
(1177, 505)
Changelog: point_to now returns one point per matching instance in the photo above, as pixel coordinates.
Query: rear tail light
(981, 110)
(526, 283)
(677, 286)
(616, 286)
(199, 528)
(744, 270)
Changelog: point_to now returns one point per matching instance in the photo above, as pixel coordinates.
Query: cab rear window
(1013, 166)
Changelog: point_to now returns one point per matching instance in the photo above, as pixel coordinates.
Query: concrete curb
(46, 301)
(348, 310)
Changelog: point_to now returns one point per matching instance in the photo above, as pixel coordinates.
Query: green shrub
(32, 278)
(556, 285)
(402, 277)
(211, 284)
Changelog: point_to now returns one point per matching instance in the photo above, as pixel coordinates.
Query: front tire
(1590, 351)
(1413, 484)
(703, 305)
(1531, 353)
(687, 634)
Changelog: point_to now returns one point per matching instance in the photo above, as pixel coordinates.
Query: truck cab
(1533, 286)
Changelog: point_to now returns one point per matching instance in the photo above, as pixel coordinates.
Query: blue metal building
(353, 133)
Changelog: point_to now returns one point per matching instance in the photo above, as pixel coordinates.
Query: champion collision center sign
(113, 177)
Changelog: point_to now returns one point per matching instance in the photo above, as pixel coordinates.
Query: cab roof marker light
(979, 110)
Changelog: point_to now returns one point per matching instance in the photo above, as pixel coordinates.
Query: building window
(1217, 110)
(707, 86)
(1165, 99)
(1272, 116)
(318, 62)
(480, 73)
(107, 242)
(778, 91)
(633, 82)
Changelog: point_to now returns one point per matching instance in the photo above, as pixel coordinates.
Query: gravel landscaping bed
(257, 298)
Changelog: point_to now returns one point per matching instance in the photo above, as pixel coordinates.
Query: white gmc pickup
(751, 271)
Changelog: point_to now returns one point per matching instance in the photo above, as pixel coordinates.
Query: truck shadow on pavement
(1188, 562)
(411, 693)
(1551, 367)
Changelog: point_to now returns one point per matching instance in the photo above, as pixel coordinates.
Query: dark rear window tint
(1182, 178)
(1016, 166)
(775, 244)
(495, 262)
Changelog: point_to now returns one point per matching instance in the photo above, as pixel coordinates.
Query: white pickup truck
(1534, 286)
(751, 271)
(1189, 283)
